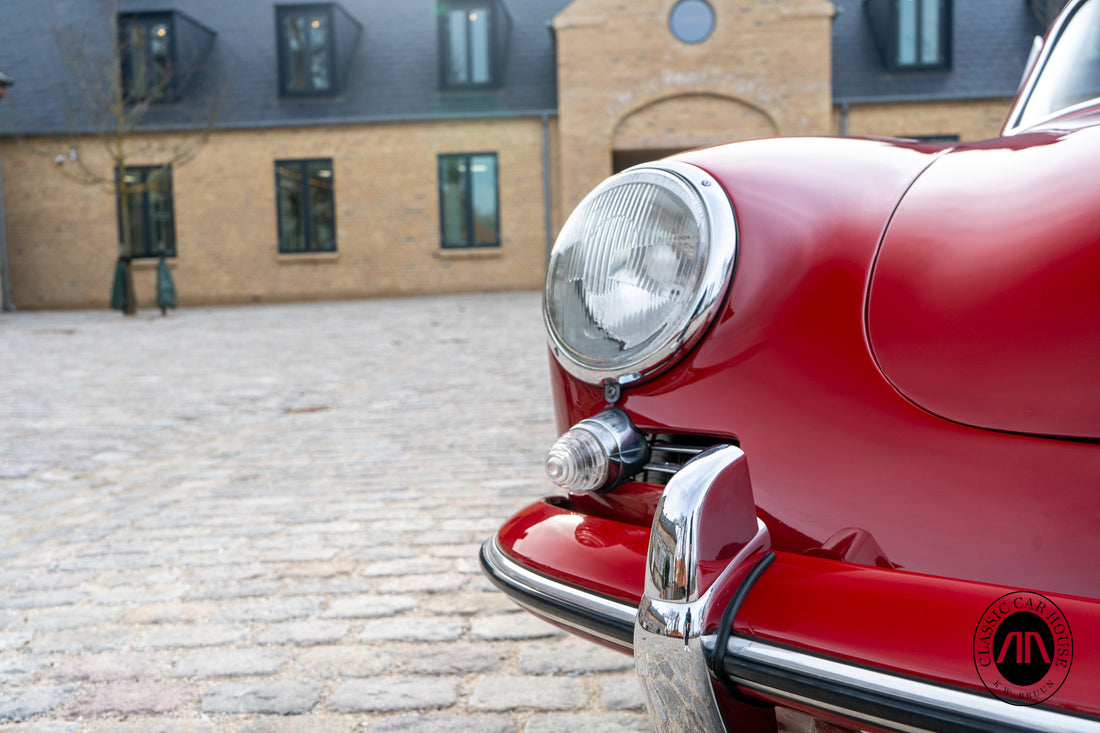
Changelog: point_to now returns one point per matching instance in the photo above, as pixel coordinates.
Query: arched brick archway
(628, 88)
(685, 121)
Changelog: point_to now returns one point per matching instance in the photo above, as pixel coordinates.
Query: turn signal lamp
(597, 454)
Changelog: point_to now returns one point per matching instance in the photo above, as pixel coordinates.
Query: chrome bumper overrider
(710, 499)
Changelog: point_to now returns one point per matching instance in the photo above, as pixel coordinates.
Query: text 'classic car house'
(282, 151)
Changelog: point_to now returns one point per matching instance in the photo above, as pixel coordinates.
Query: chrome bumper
(881, 699)
(711, 498)
(574, 608)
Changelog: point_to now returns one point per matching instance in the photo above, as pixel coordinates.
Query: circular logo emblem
(1023, 648)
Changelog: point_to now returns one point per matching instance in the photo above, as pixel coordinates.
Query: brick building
(362, 148)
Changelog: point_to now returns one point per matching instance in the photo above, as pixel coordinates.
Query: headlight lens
(637, 271)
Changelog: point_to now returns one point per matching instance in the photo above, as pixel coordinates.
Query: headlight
(638, 271)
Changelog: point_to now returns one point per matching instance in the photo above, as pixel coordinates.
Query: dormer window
(912, 34)
(146, 51)
(159, 53)
(316, 42)
(473, 42)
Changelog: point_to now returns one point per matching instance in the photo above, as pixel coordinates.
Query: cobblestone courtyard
(267, 518)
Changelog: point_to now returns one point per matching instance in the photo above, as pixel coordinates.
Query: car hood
(983, 305)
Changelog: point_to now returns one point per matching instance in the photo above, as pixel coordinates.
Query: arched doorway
(683, 122)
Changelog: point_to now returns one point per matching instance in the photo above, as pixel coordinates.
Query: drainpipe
(844, 119)
(5, 289)
(546, 197)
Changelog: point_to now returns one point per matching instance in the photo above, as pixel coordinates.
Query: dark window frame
(943, 138)
(148, 248)
(885, 20)
(126, 21)
(470, 241)
(303, 11)
(304, 211)
(493, 47)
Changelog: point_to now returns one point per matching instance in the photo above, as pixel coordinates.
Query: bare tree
(130, 84)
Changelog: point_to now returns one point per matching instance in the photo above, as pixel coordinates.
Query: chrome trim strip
(576, 608)
(660, 446)
(952, 708)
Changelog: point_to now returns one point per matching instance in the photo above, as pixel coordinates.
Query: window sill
(460, 88)
(286, 95)
(150, 263)
(292, 257)
(915, 69)
(468, 253)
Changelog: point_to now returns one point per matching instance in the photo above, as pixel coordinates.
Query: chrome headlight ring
(638, 272)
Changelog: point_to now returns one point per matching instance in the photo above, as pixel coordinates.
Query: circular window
(692, 21)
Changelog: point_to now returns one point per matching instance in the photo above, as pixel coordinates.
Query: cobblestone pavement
(267, 518)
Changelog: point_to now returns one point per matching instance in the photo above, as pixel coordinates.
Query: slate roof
(394, 74)
(991, 42)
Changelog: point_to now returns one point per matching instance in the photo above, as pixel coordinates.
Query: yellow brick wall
(625, 85)
(969, 119)
(62, 237)
(624, 79)
(697, 119)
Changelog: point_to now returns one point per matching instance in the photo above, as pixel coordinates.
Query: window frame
(470, 242)
(304, 210)
(491, 49)
(686, 33)
(125, 21)
(304, 10)
(148, 251)
(940, 138)
(886, 18)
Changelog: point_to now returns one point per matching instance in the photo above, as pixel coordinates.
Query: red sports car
(831, 425)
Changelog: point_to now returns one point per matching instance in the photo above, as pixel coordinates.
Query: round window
(692, 21)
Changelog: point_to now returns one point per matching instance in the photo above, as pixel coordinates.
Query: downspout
(5, 288)
(547, 203)
(844, 119)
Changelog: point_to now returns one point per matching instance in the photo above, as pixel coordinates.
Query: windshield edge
(1012, 121)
